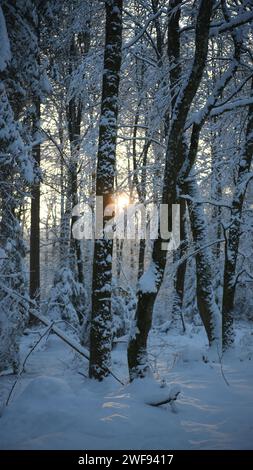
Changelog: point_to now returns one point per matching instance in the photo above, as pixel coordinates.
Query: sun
(122, 201)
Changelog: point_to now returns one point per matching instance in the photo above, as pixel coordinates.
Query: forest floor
(55, 407)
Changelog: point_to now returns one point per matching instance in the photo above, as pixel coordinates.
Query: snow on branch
(239, 103)
(205, 201)
(138, 36)
(239, 20)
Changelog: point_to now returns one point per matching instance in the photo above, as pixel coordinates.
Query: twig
(71, 342)
(221, 368)
(81, 373)
(25, 360)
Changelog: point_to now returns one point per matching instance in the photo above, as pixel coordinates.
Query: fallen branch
(71, 342)
(171, 398)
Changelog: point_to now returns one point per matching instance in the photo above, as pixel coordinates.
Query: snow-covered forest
(126, 224)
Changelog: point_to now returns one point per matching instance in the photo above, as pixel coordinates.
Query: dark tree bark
(178, 296)
(175, 156)
(216, 192)
(100, 333)
(35, 214)
(35, 191)
(139, 181)
(138, 188)
(233, 236)
(74, 119)
(173, 50)
(141, 259)
(119, 256)
(142, 199)
(206, 301)
(207, 306)
(64, 223)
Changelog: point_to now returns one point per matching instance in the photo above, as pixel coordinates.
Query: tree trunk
(76, 252)
(175, 155)
(74, 117)
(119, 257)
(64, 221)
(141, 259)
(216, 192)
(207, 306)
(100, 332)
(233, 236)
(35, 214)
(179, 282)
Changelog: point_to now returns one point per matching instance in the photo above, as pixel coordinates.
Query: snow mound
(149, 391)
(43, 387)
(44, 407)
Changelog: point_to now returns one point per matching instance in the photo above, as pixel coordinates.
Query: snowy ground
(54, 407)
